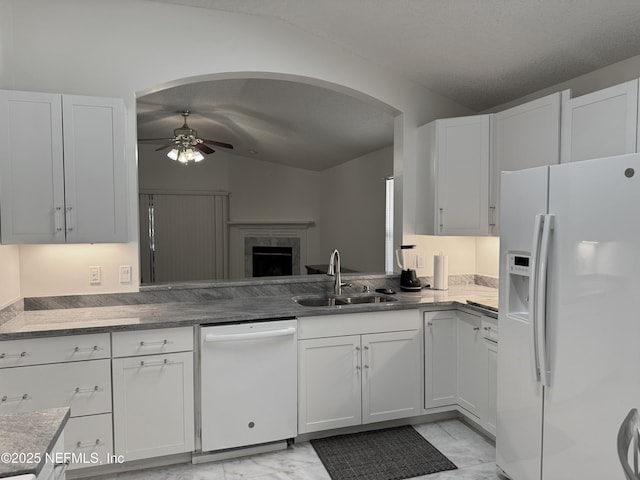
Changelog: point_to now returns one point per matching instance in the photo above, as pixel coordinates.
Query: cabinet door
(94, 169)
(390, 376)
(522, 137)
(491, 361)
(600, 124)
(471, 374)
(153, 405)
(31, 168)
(462, 169)
(329, 380)
(440, 359)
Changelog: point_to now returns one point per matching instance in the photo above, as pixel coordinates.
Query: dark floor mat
(388, 454)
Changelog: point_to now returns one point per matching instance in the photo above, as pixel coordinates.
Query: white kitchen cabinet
(330, 392)
(524, 136)
(153, 398)
(453, 176)
(440, 359)
(390, 375)
(472, 384)
(66, 371)
(76, 146)
(358, 368)
(600, 124)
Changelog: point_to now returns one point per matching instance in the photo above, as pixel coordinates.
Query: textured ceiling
(480, 53)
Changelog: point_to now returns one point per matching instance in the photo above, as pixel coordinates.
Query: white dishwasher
(248, 383)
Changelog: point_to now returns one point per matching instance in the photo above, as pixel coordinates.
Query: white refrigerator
(569, 315)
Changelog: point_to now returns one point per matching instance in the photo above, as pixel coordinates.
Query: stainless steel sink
(338, 300)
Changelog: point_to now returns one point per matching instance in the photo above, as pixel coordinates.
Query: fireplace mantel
(271, 223)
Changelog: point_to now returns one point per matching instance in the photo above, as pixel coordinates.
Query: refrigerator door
(523, 197)
(593, 327)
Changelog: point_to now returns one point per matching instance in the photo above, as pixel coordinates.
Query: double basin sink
(324, 300)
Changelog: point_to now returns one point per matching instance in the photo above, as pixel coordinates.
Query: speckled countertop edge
(29, 433)
(30, 324)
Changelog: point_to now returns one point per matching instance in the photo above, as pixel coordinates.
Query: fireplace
(272, 261)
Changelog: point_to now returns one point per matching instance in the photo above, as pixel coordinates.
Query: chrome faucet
(334, 270)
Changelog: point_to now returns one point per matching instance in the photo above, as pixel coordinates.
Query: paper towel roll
(440, 272)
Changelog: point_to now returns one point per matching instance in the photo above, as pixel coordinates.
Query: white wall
(353, 211)
(123, 47)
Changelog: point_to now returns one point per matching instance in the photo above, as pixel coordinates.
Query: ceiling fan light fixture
(185, 155)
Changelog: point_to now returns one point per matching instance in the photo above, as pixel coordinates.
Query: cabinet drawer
(71, 348)
(85, 387)
(151, 342)
(89, 438)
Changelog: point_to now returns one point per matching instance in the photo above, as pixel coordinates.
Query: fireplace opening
(272, 261)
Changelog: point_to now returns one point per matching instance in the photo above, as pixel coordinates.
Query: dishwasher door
(249, 383)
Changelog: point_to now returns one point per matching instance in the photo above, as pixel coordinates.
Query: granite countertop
(29, 324)
(26, 438)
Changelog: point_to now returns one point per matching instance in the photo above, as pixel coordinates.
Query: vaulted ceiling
(478, 53)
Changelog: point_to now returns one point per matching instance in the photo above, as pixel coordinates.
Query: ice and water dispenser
(518, 269)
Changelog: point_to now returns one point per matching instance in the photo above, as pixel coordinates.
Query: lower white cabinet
(89, 438)
(472, 385)
(347, 380)
(440, 359)
(491, 359)
(153, 401)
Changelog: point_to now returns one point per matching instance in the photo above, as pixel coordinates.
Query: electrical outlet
(95, 275)
(420, 261)
(125, 273)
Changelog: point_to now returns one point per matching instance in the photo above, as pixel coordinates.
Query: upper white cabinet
(601, 124)
(453, 176)
(62, 170)
(524, 136)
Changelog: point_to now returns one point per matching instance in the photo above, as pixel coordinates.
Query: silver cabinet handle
(13, 355)
(97, 443)
(150, 344)
(95, 348)
(366, 356)
(441, 219)
(358, 360)
(152, 364)
(57, 217)
(97, 388)
(67, 212)
(475, 329)
(18, 398)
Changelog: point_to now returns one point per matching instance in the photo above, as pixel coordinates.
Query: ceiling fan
(186, 146)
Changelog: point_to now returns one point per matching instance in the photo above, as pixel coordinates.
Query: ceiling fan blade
(219, 144)
(165, 146)
(165, 139)
(203, 148)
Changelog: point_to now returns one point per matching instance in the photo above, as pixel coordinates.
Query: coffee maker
(406, 258)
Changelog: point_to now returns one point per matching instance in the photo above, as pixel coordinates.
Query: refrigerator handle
(533, 295)
(541, 300)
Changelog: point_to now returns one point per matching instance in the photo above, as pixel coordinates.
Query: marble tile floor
(473, 454)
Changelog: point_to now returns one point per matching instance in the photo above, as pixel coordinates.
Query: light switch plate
(95, 275)
(125, 273)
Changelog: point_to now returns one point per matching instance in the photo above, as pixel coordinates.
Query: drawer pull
(95, 348)
(18, 398)
(13, 355)
(89, 390)
(152, 364)
(97, 443)
(150, 344)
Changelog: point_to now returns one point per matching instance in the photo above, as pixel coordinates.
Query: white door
(330, 371)
(600, 124)
(94, 169)
(31, 169)
(592, 316)
(248, 384)
(390, 375)
(463, 175)
(440, 359)
(471, 378)
(519, 410)
(522, 137)
(153, 405)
